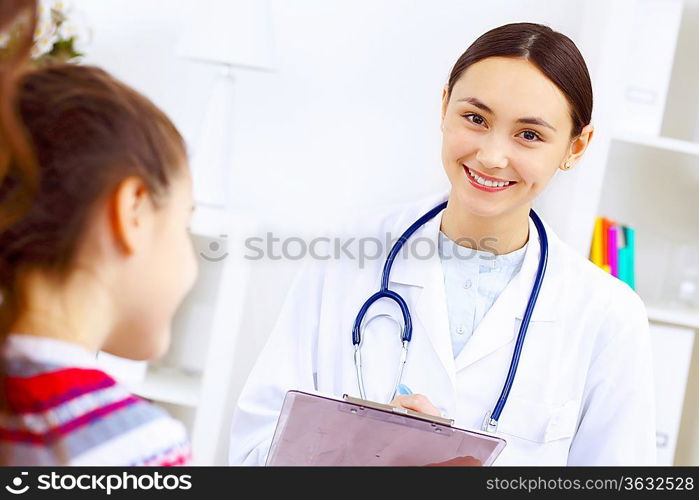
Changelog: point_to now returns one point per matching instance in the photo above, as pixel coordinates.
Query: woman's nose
(492, 153)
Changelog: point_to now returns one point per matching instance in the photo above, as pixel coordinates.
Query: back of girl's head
(68, 135)
(553, 53)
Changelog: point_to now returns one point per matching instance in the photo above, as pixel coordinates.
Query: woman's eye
(475, 118)
(530, 136)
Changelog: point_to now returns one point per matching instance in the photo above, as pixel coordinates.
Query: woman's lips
(487, 189)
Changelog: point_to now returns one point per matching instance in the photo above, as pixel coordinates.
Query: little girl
(95, 200)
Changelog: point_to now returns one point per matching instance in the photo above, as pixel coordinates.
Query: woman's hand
(416, 402)
(419, 402)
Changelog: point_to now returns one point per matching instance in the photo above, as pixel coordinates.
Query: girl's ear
(131, 214)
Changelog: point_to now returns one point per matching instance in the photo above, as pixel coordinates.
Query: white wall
(349, 120)
(353, 107)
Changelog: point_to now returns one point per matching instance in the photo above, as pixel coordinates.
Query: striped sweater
(58, 408)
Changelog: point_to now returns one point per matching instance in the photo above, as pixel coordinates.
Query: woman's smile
(485, 182)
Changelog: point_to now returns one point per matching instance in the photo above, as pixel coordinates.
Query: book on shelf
(612, 249)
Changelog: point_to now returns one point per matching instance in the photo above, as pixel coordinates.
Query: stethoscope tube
(384, 292)
(491, 423)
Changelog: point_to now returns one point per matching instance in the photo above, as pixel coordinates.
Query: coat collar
(421, 264)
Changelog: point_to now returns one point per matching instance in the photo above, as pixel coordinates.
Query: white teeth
(484, 182)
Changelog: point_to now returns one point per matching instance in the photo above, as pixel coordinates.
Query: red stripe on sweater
(183, 459)
(48, 390)
(24, 436)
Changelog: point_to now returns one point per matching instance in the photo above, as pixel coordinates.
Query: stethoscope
(490, 423)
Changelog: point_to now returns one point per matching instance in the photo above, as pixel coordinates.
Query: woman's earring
(566, 165)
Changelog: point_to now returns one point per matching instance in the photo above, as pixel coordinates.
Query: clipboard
(315, 430)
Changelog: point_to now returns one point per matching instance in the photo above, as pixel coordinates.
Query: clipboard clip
(401, 411)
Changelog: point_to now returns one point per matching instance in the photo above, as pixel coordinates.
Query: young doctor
(517, 107)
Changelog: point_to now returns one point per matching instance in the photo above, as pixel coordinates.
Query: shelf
(666, 143)
(169, 385)
(679, 317)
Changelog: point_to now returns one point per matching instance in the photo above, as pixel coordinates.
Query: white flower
(60, 7)
(67, 30)
(43, 45)
(44, 28)
(44, 11)
(52, 25)
(44, 7)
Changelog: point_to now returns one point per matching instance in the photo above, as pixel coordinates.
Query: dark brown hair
(68, 135)
(553, 53)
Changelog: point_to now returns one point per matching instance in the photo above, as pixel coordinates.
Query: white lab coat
(583, 393)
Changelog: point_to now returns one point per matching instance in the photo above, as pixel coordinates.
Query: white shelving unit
(664, 143)
(651, 183)
(169, 385)
(676, 317)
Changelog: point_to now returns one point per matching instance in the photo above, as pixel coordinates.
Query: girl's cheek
(191, 263)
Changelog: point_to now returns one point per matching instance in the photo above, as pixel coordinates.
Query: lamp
(233, 35)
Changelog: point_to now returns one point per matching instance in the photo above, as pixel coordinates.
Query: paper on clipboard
(316, 430)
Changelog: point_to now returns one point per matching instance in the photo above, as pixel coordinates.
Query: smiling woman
(575, 387)
(516, 108)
